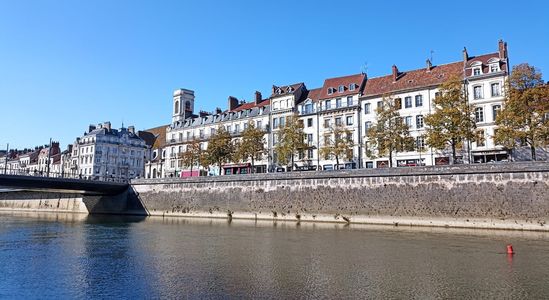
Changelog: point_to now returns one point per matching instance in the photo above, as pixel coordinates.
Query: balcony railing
(336, 105)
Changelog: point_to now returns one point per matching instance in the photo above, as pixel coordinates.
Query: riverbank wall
(496, 196)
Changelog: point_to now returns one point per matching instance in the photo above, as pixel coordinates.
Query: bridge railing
(37, 173)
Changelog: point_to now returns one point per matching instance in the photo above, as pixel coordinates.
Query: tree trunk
(253, 165)
(191, 169)
(292, 166)
(337, 162)
(533, 151)
(390, 158)
(453, 151)
(219, 167)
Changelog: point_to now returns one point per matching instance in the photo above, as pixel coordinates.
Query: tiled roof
(484, 60)
(314, 94)
(412, 79)
(251, 105)
(154, 136)
(345, 81)
(285, 90)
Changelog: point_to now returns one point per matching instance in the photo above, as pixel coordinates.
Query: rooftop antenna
(431, 56)
(364, 68)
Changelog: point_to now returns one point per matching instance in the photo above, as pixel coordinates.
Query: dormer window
(330, 91)
(476, 71)
(341, 88)
(351, 87)
(290, 89)
(494, 68)
(279, 91)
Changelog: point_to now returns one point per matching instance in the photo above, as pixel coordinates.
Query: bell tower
(183, 104)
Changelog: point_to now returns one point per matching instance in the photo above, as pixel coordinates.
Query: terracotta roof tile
(155, 136)
(250, 105)
(314, 94)
(412, 79)
(335, 82)
(284, 90)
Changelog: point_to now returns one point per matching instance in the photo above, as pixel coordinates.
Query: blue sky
(67, 64)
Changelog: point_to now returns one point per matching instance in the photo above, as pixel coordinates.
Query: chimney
(395, 73)
(203, 113)
(107, 125)
(233, 102)
(429, 65)
(258, 97)
(218, 110)
(502, 49)
(91, 128)
(131, 129)
(465, 56)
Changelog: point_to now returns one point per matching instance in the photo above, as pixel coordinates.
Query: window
(495, 111)
(327, 123)
(283, 121)
(310, 122)
(481, 141)
(379, 105)
(477, 92)
(328, 104)
(338, 102)
(176, 108)
(476, 71)
(419, 100)
(420, 143)
(494, 68)
(408, 121)
(338, 121)
(309, 139)
(408, 102)
(258, 124)
(496, 91)
(341, 89)
(351, 87)
(310, 153)
(419, 121)
(245, 126)
(479, 114)
(349, 101)
(366, 108)
(275, 105)
(367, 127)
(236, 129)
(398, 103)
(330, 91)
(275, 123)
(308, 108)
(212, 131)
(229, 128)
(349, 120)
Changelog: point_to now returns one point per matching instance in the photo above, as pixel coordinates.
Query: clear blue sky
(67, 64)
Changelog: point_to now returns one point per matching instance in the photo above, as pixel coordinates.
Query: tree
(525, 113)
(252, 145)
(220, 148)
(291, 140)
(389, 134)
(192, 155)
(339, 143)
(452, 121)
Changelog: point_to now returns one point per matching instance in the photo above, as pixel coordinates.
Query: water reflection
(63, 255)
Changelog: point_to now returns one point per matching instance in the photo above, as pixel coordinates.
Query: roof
(250, 105)
(154, 137)
(314, 94)
(412, 79)
(484, 59)
(278, 91)
(346, 82)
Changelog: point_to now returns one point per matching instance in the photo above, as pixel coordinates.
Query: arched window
(187, 106)
(176, 108)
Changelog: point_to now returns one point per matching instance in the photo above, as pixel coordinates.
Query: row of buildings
(348, 101)
(101, 153)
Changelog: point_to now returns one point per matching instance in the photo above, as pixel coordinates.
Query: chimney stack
(395, 73)
(502, 49)
(91, 128)
(465, 56)
(131, 129)
(233, 102)
(274, 89)
(107, 125)
(429, 65)
(258, 97)
(218, 110)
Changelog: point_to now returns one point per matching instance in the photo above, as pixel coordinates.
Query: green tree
(452, 121)
(291, 140)
(220, 148)
(338, 143)
(252, 145)
(389, 134)
(193, 154)
(525, 113)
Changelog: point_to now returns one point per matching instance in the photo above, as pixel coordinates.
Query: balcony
(340, 105)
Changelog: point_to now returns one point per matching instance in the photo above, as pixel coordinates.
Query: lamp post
(6, 158)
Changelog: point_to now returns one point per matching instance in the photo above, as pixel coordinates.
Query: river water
(77, 256)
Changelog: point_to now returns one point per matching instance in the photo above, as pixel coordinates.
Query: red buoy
(510, 249)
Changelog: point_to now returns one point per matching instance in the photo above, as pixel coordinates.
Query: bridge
(60, 185)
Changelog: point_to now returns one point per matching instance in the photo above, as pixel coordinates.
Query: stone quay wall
(497, 196)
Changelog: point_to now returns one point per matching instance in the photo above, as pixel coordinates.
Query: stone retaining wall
(510, 196)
